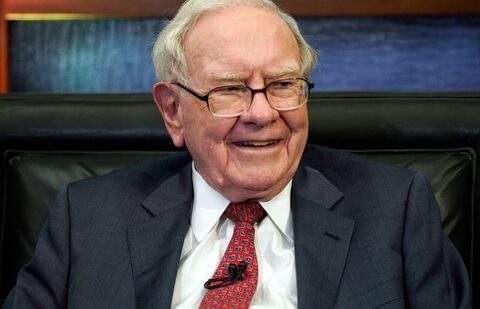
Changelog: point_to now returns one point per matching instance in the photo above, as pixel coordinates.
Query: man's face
(252, 156)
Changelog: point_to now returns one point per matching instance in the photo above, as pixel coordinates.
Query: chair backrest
(48, 140)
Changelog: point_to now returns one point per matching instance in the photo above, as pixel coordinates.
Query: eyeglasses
(234, 100)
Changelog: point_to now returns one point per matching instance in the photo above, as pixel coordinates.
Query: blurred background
(99, 46)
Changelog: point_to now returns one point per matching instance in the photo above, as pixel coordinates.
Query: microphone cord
(234, 274)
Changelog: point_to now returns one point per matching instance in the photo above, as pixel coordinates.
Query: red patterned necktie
(237, 293)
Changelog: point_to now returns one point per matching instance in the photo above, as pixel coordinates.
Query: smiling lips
(256, 143)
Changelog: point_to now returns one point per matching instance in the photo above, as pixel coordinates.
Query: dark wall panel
(400, 54)
(82, 56)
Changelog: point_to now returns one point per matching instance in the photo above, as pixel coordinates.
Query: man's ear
(167, 104)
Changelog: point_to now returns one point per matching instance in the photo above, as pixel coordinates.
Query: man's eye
(230, 90)
(233, 88)
(284, 84)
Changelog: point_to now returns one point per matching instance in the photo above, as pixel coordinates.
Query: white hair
(168, 51)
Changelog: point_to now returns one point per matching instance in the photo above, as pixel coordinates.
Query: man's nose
(260, 111)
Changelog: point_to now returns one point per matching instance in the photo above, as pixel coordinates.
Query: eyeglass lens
(282, 95)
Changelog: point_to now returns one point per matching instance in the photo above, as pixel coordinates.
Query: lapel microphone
(234, 274)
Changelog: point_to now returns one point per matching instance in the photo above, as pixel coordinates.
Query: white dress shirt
(209, 235)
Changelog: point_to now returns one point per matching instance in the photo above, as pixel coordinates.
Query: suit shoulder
(139, 179)
(345, 169)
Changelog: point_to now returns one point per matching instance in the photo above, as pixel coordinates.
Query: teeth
(255, 143)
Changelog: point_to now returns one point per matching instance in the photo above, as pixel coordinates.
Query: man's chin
(261, 190)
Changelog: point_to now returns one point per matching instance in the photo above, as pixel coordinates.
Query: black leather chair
(48, 140)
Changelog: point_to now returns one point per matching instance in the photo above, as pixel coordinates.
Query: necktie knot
(250, 212)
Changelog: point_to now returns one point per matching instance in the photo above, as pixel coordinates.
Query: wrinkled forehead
(235, 18)
(233, 36)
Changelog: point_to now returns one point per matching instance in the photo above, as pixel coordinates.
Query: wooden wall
(43, 9)
(155, 8)
(3, 51)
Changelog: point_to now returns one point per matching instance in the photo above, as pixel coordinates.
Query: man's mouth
(256, 143)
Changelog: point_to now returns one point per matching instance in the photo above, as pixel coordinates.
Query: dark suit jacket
(366, 235)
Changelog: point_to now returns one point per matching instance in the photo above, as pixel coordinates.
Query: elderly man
(248, 217)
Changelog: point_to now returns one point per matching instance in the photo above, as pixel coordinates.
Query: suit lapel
(155, 245)
(322, 238)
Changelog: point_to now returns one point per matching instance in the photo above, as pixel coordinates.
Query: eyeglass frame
(204, 98)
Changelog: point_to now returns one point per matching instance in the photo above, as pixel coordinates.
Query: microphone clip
(234, 274)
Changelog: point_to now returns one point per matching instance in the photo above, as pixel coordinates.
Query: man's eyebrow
(227, 76)
(282, 71)
(270, 74)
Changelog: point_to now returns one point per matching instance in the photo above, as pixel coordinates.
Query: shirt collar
(209, 205)
(279, 211)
